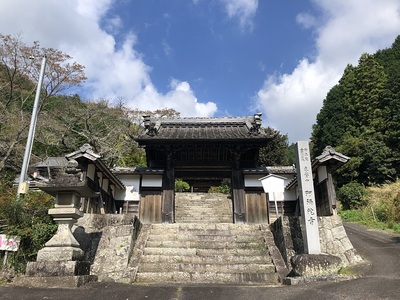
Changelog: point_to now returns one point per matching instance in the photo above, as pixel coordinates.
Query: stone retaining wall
(107, 241)
(333, 239)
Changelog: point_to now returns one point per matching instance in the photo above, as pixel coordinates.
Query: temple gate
(202, 152)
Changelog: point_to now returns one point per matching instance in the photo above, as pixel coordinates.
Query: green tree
(356, 118)
(18, 77)
(276, 152)
(336, 116)
(369, 94)
(390, 60)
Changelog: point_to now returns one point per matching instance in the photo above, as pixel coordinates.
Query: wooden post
(238, 196)
(331, 194)
(5, 260)
(168, 196)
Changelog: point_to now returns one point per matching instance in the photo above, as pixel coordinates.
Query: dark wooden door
(150, 207)
(256, 206)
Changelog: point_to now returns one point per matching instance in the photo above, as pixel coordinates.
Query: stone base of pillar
(57, 268)
(54, 254)
(56, 274)
(61, 282)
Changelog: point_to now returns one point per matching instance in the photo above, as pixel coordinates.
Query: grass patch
(365, 216)
(347, 272)
(380, 208)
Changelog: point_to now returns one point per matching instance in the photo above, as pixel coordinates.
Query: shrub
(352, 195)
(28, 219)
(181, 186)
(224, 188)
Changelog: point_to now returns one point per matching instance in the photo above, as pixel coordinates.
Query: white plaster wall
(252, 181)
(132, 184)
(152, 181)
(91, 170)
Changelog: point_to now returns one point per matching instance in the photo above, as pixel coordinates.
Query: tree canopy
(360, 118)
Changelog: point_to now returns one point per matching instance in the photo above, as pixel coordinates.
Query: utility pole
(23, 179)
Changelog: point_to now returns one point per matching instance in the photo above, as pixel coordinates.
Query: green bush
(181, 186)
(28, 219)
(352, 195)
(224, 188)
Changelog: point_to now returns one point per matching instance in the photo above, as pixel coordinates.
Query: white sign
(9, 243)
(274, 185)
(307, 199)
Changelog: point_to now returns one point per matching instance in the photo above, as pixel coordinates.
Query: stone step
(203, 252)
(210, 267)
(205, 238)
(203, 208)
(202, 211)
(217, 259)
(207, 277)
(207, 232)
(200, 220)
(202, 245)
(199, 205)
(240, 228)
(205, 204)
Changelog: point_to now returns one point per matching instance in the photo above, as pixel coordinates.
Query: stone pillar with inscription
(309, 220)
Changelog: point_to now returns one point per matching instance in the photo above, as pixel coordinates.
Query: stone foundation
(334, 243)
(315, 265)
(334, 240)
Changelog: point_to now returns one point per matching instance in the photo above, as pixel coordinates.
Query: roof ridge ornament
(255, 126)
(149, 126)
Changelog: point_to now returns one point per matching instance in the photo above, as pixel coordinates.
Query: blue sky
(211, 57)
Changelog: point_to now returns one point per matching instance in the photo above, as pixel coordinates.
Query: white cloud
(243, 10)
(113, 25)
(346, 30)
(307, 20)
(113, 70)
(181, 97)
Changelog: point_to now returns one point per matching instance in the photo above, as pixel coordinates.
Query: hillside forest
(360, 118)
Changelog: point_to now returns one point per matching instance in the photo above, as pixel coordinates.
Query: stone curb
(308, 279)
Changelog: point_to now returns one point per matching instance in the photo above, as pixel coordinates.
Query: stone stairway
(206, 254)
(203, 208)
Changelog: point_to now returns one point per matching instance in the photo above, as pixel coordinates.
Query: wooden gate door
(256, 206)
(150, 207)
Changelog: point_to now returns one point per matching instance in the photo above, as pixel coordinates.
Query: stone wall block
(346, 244)
(339, 233)
(353, 257)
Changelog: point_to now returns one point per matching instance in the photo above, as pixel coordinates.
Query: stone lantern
(61, 262)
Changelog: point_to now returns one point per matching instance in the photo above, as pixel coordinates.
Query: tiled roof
(136, 170)
(53, 162)
(227, 128)
(271, 170)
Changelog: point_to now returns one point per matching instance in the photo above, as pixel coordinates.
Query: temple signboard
(9, 243)
(307, 199)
